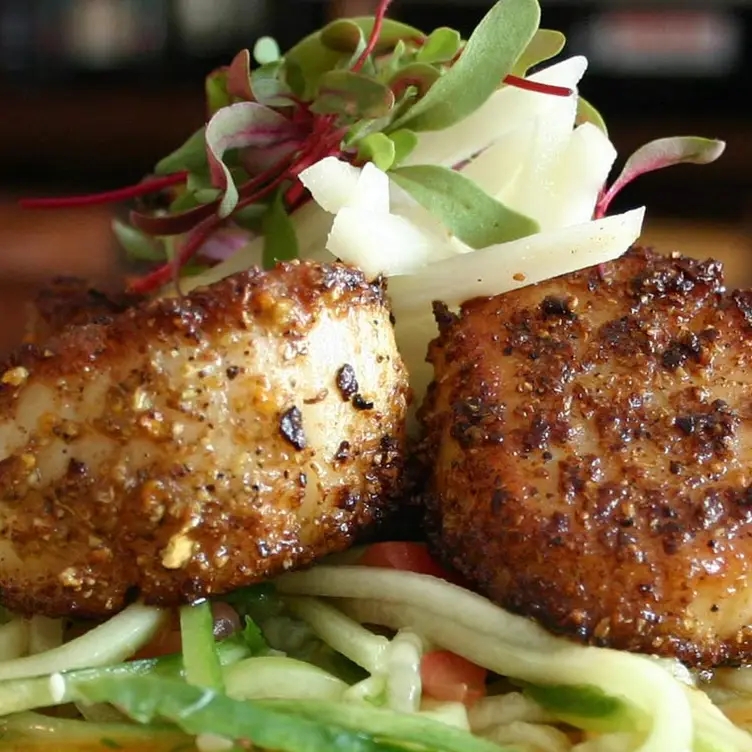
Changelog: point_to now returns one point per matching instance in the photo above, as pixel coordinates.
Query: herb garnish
(360, 90)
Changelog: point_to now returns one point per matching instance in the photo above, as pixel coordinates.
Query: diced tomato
(407, 557)
(166, 642)
(450, 678)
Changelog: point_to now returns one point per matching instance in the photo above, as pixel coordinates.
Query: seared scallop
(186, 447)
(590, 442)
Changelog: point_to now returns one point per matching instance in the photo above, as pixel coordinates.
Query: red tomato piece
(166, 642)
(407, 557)
(450, 678)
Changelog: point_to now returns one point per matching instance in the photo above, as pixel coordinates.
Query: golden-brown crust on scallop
(590, 440)
(187, 447)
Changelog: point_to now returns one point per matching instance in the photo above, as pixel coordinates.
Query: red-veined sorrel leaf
(172, 224)
(343, 35)
(239, 76)
(664, 152)
(255, 161)
(237, 126)
(311, 58)
(136, 244)
(342, 92)
(420, 75)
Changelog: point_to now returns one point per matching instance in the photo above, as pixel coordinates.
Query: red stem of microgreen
(320, 145)
(373, 38)
(152, 185)
(163, 274)
(605, 197)
(516, 81)
(528, 85)
(294, 195)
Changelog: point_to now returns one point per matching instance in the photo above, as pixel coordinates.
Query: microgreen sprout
(361, 90)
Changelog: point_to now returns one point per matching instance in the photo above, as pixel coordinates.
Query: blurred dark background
(93, 92)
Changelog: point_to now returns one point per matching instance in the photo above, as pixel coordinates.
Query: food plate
(382, 285)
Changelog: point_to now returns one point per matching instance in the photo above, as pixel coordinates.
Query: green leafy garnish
(368, 89)
(489, 55)
(287, 726)
(191, 156)
(17, 695)
(280, 241)
(544, 45)
(343, 35)
(586, 113)
(441, 46)
(268, 88)
(258, 601)
(467, 211)
(397, 728)
(138, 245)
(266, 50)
(217, 91)
(200, 711)
(254, 637)
(379, 149)
(404, 141)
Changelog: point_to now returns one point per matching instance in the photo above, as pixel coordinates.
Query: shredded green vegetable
(287, 726)
(200, 658)
(34, 730)
(17, 695)
(243, 690)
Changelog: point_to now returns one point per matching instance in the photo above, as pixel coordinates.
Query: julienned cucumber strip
(286, 726)
(17, 695)
(200, 658)
(586, 707)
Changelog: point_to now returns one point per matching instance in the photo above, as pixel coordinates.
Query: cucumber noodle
(621, 702)
(512, 646)
(111, 642)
